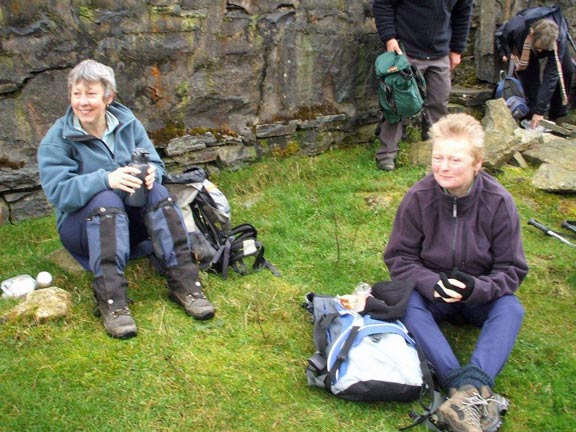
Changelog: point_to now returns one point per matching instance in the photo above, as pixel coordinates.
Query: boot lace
(196, 296)
(122, 311)
(473, 408)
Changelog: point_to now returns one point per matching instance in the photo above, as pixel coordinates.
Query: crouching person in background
(84, 163)
(536, 40)
(457, 235)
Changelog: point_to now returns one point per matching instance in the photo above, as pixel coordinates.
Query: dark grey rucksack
(216, 245)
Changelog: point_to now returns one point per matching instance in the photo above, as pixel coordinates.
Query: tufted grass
(324, 221)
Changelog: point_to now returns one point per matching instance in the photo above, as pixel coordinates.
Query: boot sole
(127, 335)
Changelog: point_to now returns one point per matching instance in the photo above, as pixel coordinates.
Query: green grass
(324, 222)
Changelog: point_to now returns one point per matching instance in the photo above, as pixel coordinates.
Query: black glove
(467, 280)
(440, 290)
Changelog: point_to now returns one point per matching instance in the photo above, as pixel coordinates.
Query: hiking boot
(195, 303)
(461, 412)
(187, 293)
(494, 409)
(118, 322)
(386, 163)
(112, 306)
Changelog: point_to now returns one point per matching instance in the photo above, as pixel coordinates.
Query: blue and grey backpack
(510, 89)
(360, 358)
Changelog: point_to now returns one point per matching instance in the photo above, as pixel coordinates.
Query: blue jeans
(500, 322)
(73, 233)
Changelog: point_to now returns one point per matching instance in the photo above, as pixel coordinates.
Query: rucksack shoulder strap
(342, 355)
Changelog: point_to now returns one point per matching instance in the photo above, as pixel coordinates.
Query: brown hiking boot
(461, 412)
(492, 412)
(112, 306)
(187, 293)
(195, 303)
(118, 322)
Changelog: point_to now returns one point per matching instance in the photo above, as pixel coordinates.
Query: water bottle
(140, 161)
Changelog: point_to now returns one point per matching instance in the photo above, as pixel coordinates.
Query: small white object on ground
(18, 286)
(44, 279)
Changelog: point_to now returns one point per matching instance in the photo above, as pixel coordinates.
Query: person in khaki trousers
(433, 34)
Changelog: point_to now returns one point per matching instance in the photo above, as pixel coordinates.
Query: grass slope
(324, 221)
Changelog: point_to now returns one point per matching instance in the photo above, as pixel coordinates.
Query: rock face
(216, 83)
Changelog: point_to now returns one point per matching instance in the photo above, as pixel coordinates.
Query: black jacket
(427, 29)
(510, 39)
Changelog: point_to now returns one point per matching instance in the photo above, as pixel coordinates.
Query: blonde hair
(463, 127)
(92, 71)
(544, 34)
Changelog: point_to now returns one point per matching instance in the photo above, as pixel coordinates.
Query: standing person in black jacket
(531, 36)
(433, 33)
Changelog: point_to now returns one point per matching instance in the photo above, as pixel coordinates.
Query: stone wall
(216, 83)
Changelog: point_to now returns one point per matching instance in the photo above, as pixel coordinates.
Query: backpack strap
(342, 345)
(320, 336)
(239, 235)
(342, 356)
(428, 391)
(224, 252)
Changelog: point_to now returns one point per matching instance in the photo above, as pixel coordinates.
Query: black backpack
(216, 245)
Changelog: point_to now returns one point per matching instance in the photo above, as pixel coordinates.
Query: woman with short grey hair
(92, 71)
(87, 172)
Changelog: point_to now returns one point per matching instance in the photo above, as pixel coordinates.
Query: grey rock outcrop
(556, 158)
(217, 83)
(300, 70)
(500, 142)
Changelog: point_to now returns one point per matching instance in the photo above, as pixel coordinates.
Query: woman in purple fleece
(457, 235)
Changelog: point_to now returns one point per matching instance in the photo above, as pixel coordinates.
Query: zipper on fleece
(455, 223)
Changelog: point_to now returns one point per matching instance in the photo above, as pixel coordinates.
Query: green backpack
(401, 87)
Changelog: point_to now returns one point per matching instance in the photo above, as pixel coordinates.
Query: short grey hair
(544, 34)
(92, 71)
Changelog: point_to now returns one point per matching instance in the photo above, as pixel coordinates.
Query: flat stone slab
(62, 258)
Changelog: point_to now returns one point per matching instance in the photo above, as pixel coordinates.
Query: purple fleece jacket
(479, 234)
